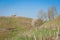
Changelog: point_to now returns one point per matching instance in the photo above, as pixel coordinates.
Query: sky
(26, 8)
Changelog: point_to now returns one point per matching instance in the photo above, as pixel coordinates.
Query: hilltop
(14, 21)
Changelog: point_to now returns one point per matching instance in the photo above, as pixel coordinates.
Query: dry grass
(10, 25)
(20, 25)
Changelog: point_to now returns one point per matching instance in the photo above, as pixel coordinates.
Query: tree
(42, 15)
(51, 12)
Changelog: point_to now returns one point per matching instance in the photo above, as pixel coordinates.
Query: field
(20, 28)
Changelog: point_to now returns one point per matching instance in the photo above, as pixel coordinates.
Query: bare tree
(40, 14)
(51, 12)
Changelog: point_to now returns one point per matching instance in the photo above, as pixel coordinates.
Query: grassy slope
(20, 24)
(47, 31)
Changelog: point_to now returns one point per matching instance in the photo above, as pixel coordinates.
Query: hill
(13, 24)
(47, 31)
(18, 27)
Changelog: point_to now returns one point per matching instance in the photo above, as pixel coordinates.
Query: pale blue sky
(26, 8)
